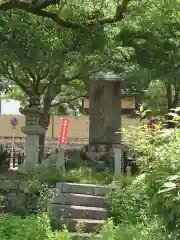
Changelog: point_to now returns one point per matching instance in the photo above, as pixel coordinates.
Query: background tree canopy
(42, 59)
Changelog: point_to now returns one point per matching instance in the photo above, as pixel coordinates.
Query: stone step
(78, 212)
(80, 200)
(88, 189)
(88, 225)
(84, 236)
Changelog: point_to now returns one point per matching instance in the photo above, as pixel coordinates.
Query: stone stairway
(80, 204)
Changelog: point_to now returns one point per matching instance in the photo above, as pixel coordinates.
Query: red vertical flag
(64, 131)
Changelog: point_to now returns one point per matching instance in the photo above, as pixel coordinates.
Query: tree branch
(25, 88)
(44, 4)
(79, 76)
(176, 96)
(37, 83)
(50, 95)
(9, 71)
(39, 11)
(76, 76)
(30, 74)
(67, 101)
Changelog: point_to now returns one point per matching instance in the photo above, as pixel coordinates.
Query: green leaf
(173, 178)
(165, 190)
(175, 115)
(175, 109)
(169, 185)
(141, 108)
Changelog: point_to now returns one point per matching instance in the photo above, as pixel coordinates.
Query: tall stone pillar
(33, 130)
(105, 116)
(105, 109)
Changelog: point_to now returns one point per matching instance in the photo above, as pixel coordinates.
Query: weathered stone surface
(80, 200)
(14, 203)
(88, 189)
(80, 204)
(15, 200)
(23, 185)
(78, 212)
(9, 184)
(10, 196)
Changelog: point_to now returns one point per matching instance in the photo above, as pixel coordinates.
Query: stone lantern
(33, 130)
(105, 115)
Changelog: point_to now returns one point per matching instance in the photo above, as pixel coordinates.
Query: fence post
(117, 162)
(19, 159)
(22, 160)
(14, 158)
(8, 161)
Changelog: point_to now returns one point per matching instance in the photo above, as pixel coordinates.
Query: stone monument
(105, 116)
(33, 130)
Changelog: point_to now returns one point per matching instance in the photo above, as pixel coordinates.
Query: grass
(82, 175)
(77, 175)
(51, 175)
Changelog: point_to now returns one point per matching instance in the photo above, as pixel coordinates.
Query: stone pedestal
(56, 160)
(117, 162)
(32, 143)
(60, 163)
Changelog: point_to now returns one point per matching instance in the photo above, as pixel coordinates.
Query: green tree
(72, 14)
(127, 18)
(67, 102)
(43, 61)
(156, 45)
(155, 97)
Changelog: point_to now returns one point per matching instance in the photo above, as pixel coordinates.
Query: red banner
(64, 131)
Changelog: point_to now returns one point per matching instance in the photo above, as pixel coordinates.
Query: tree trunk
(41, 147)
(50, 95)
(176, 96)
(44, 122)
(172, 101)
(105, 112)
(169, 95)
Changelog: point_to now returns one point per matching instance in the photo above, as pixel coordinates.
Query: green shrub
(151, 229)
(29, 228)
(124, 180)
(158, 153)
(52, 175)
(87, 175)
(128, 204)
(49, 175)
(38, 228)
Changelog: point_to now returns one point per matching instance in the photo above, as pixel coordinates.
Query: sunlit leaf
(169, 185)
(141, 108)
(174, 177)
(175, 115)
